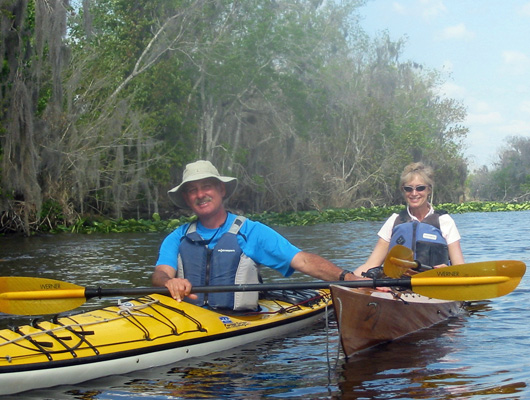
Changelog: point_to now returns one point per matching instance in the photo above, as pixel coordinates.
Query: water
(484, 353)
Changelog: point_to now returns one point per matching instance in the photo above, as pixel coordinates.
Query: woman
(432, 235)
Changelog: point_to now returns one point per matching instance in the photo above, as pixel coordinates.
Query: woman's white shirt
(447, 226)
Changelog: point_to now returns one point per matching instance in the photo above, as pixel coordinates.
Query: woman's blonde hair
(417, 169)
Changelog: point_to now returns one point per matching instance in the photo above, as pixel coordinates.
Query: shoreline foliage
(300, 218)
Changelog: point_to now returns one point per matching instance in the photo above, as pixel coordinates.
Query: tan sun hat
(196, 171)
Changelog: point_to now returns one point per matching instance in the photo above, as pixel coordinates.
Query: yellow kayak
(141, 333)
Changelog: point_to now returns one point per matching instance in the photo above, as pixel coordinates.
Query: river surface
(484, 353)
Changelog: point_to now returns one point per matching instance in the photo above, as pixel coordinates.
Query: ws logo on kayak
(228, 323)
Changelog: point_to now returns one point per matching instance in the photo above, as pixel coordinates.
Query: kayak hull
(152, 331)
(367, 318)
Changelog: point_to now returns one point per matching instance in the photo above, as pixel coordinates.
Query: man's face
(205, 196)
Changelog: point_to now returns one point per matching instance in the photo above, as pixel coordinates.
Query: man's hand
(179, 288)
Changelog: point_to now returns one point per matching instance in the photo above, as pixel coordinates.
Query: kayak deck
(368, 317)
(136, 334)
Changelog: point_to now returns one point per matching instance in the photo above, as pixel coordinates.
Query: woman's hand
(354, 277)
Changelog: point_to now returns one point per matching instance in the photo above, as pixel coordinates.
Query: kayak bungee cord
(330, 369)
(338, 304)
(40, 347)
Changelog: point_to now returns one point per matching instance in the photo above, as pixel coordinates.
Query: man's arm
(318, 267)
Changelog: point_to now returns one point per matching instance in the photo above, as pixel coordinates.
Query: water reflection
(404, 368)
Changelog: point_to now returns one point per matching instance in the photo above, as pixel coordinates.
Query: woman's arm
(455, 253)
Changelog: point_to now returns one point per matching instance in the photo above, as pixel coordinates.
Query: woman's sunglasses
(410, 189)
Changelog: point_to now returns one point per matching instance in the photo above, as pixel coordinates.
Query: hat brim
(176, 197)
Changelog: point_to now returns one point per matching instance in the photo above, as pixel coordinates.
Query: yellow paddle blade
(398, 260)
(473, 281)
(37, 296)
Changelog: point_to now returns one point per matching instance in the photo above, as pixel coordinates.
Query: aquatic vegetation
(301, 218)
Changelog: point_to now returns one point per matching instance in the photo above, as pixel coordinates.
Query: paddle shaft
(89, 293)
(259, 287)
(405, 283)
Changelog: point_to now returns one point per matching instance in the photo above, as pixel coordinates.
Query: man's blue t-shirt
(259, 242)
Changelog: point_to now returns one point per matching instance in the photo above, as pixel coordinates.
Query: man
(222, 248)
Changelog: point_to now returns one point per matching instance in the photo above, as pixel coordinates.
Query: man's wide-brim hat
(196, 171)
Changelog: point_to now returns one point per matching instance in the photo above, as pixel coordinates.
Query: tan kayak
(369, 317)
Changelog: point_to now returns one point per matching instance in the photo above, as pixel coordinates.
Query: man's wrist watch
(343, 274)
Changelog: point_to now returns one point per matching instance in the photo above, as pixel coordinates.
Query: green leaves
(100, 225)
(301, 218)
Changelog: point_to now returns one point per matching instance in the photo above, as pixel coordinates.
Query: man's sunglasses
(410, 189)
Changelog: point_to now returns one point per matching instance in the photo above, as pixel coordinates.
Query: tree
(134, 116)
(512, 171)
(383, 114)
(32, 55)
(509, 179)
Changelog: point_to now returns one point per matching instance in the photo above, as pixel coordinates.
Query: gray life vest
(423, 238)
(225, 264)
